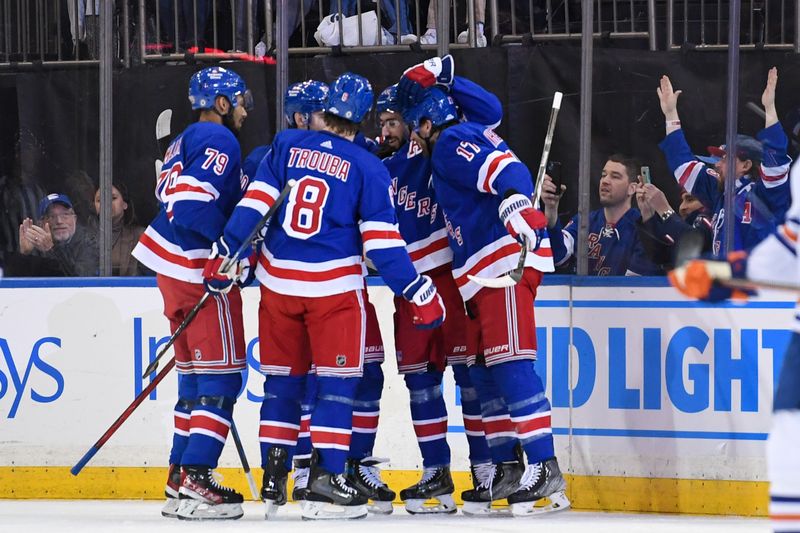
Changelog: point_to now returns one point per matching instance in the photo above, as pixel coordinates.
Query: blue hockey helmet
(388, 101)
(207, 84)
(350, 97)
(304, 97)
(437, 106)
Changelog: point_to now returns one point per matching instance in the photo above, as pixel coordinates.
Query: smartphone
(554, 171)
(645, 173)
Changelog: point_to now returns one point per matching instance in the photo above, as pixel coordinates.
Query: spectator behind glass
(191, 14)
(125, 232)
(614, 247)
(57, 245)
(660, 228)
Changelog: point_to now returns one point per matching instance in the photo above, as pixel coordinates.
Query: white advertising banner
(643, 382)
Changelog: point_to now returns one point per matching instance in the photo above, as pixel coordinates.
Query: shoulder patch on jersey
(327, 144)
(712, 172)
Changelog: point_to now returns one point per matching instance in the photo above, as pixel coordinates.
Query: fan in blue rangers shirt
(199, 185)
(775, 260)
(485, 193)
(762, 166)
(613, 240)
(311, 271)
(423, 354)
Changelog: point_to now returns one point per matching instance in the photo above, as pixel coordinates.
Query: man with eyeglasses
(57, 245)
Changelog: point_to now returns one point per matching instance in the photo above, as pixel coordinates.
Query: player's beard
(229, 122)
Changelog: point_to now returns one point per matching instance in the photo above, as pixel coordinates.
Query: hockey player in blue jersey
(199, 185)
(775, 259)
(762, 165)
(613, 241)
(485, 193)
(311, 272)
(423, 355)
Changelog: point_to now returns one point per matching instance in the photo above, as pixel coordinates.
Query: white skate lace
(216, 479)
(531, 476)
(300, 477)
(371, 475)
(428, 474)
(484, 472)
(342, 483)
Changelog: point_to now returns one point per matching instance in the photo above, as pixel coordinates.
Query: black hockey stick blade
(690, 245)
(245, 464)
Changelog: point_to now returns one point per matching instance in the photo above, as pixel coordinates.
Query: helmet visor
(248, 100)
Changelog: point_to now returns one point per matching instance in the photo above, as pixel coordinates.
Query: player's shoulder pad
(212, 135)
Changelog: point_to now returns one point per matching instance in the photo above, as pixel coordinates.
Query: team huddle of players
(449, 201)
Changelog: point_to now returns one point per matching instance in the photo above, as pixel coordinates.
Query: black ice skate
(436, 484)
(302, 467)
(273, 487)
(503, 482)
(170, 509)
(202, 498)
(365, 476)
(540, 481)
(331, 496)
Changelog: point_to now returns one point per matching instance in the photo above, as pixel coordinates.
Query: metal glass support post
(651, 24)
(106, 133)
(585, 151)
(442, 27)
(732, 116)
(282, 60)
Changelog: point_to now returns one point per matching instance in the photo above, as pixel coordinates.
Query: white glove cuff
(512, 205)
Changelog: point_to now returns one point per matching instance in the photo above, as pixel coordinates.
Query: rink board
(659, 403)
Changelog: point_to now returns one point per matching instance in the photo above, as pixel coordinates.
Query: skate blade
(199, 510)
(443, 504)
(378, 507)
(170, 509)
(557, 501)
(484, 509)
(270, 509)
(329, 511)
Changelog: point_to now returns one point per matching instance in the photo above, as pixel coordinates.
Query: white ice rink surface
(143, 517)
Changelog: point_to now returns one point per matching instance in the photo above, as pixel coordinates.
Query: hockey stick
(227, 264)
(513, 277)
(690, 246)
(75, 470)
(162, 133)
(245, 465)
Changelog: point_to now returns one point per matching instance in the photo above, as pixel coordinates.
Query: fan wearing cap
(58, 237)
(761, 166)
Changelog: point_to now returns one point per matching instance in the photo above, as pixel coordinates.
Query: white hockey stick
(162, 132)
(513, 277)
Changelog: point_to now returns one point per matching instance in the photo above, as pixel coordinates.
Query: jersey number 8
(305, 207)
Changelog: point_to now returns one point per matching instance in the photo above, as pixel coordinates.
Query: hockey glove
(522, 220)
(412, 87)
(428, 307)
(213, 278)
(704, 280)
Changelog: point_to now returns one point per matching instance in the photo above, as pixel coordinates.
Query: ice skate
(302, 467)
(273, 488)
(203, 498)
(436, 484)
(331, 497)
(170, 509)
(365, 476)
(542, 484)
(503, 481)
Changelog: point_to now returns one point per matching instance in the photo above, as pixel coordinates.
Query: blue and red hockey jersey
(421, 221)
(614, 249)
(313, 246)
(199, 185)
(760, 204)
(251, 162)
(473, 168)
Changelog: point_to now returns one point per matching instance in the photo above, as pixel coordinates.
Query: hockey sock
(366, 410)
(529, 408)
(332, 421)
(211, 418)
(429, 415)
(187, 395)
(303, 450)
(501, 435)
(280, 415)
(471, 411)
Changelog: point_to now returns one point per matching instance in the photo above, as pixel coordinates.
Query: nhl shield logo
(341, 360)
(197, 354)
